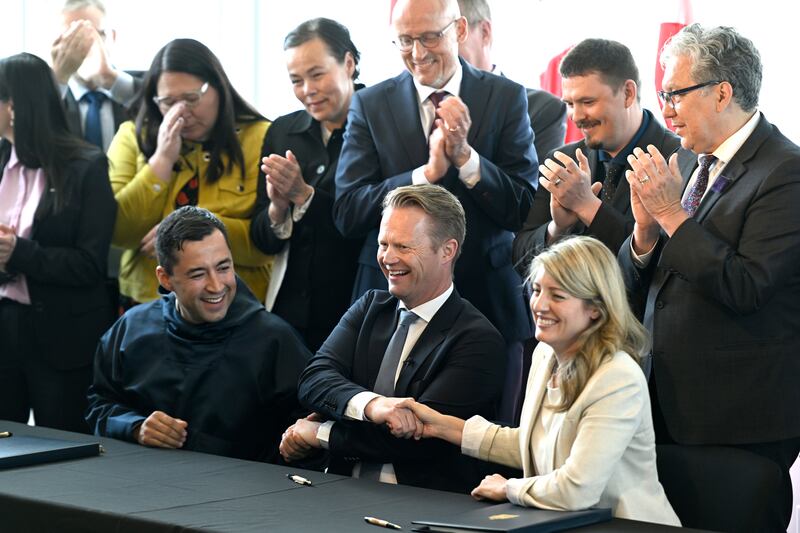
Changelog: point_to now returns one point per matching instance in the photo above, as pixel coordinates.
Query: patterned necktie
(692, 200)
(92, 129)
(436, 99)
(384, 384)
(613, 172)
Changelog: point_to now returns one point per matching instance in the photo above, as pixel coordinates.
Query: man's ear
(631, 91)
(486, 32)
(163, 278)
(449, 249)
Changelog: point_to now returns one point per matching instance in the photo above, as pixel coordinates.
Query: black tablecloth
(131, 488)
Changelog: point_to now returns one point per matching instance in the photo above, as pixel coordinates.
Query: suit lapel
(401, 101)
(734, 169)
(304, 125)
(382, 330)
(476, 97)
(534, 394)
(73, 114)
(433, 336)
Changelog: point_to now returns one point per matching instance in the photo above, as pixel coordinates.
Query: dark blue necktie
(93, 130)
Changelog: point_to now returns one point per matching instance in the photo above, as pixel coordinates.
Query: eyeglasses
(191, 98)
(429, 39)
(669, 97)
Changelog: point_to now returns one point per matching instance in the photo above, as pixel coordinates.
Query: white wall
(247, 35)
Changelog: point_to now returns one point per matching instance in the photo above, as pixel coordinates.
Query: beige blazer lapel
(541, 369)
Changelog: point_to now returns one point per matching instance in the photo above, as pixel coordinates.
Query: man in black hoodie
(205, 367)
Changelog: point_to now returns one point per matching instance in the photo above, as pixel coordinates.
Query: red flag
(550, 81)
(667, 30)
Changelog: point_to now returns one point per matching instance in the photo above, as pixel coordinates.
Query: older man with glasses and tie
(419, 339)
(714, 254)
(480, 149)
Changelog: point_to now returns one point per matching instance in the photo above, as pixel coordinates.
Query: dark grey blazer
(723, 301)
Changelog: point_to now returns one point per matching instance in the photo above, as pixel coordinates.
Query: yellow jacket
(144, 200)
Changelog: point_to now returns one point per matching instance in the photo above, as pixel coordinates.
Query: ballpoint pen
(380, 522)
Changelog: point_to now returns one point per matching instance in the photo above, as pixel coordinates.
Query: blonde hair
(586, 269)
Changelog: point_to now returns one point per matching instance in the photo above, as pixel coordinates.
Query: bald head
(445, 8)
(434, 65)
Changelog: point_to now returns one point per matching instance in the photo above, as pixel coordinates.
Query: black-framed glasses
(669, 97)
(191, 98)
(429, 39)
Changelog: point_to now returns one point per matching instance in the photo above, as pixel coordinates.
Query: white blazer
(604, 452)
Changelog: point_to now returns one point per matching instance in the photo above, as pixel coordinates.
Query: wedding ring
(557, 182)
(453, 129)
(644, 180)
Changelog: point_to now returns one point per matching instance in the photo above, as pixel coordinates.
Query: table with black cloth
(131, 488)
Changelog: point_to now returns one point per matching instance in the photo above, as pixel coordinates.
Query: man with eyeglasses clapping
(447, 123)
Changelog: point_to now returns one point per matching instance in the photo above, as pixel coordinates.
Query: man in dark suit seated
(583, 190)
(444, 122)
(96, 94)
(548, 114)
(420, 339)
(206, 367)
(715, 253)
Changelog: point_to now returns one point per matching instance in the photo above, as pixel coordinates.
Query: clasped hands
(656, 187)
(82, 49)
(8, 241)
(448, 142)
(398, 414)
(285, 184)
(573, 196)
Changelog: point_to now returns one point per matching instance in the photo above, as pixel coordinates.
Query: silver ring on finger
(453, 129)
(644, 180)
(557, 182)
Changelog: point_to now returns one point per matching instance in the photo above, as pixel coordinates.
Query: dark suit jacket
(613, 222)
(384, 143)
(456, 367)
(723, 301)
(316, 289)
(548, 117)
(64, 263)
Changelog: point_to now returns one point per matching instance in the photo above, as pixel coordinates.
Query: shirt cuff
(122, 90)
(283, 230)
(324, 433)
(418, 176)
(299, 210)
(471, 438)
(470, 173)
(641, 261)
(356, 405)
(516, 489)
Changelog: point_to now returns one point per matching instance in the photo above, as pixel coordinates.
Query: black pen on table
(381, 523)
(5, 434)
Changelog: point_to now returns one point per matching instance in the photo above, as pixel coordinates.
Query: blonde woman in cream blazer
(596, 447)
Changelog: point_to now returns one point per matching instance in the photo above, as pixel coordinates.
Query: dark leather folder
(24, 451)
(506, 517)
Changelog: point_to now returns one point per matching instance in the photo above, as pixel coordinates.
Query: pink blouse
(21, 189)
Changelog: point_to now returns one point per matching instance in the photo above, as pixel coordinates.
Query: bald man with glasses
(445, 122)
